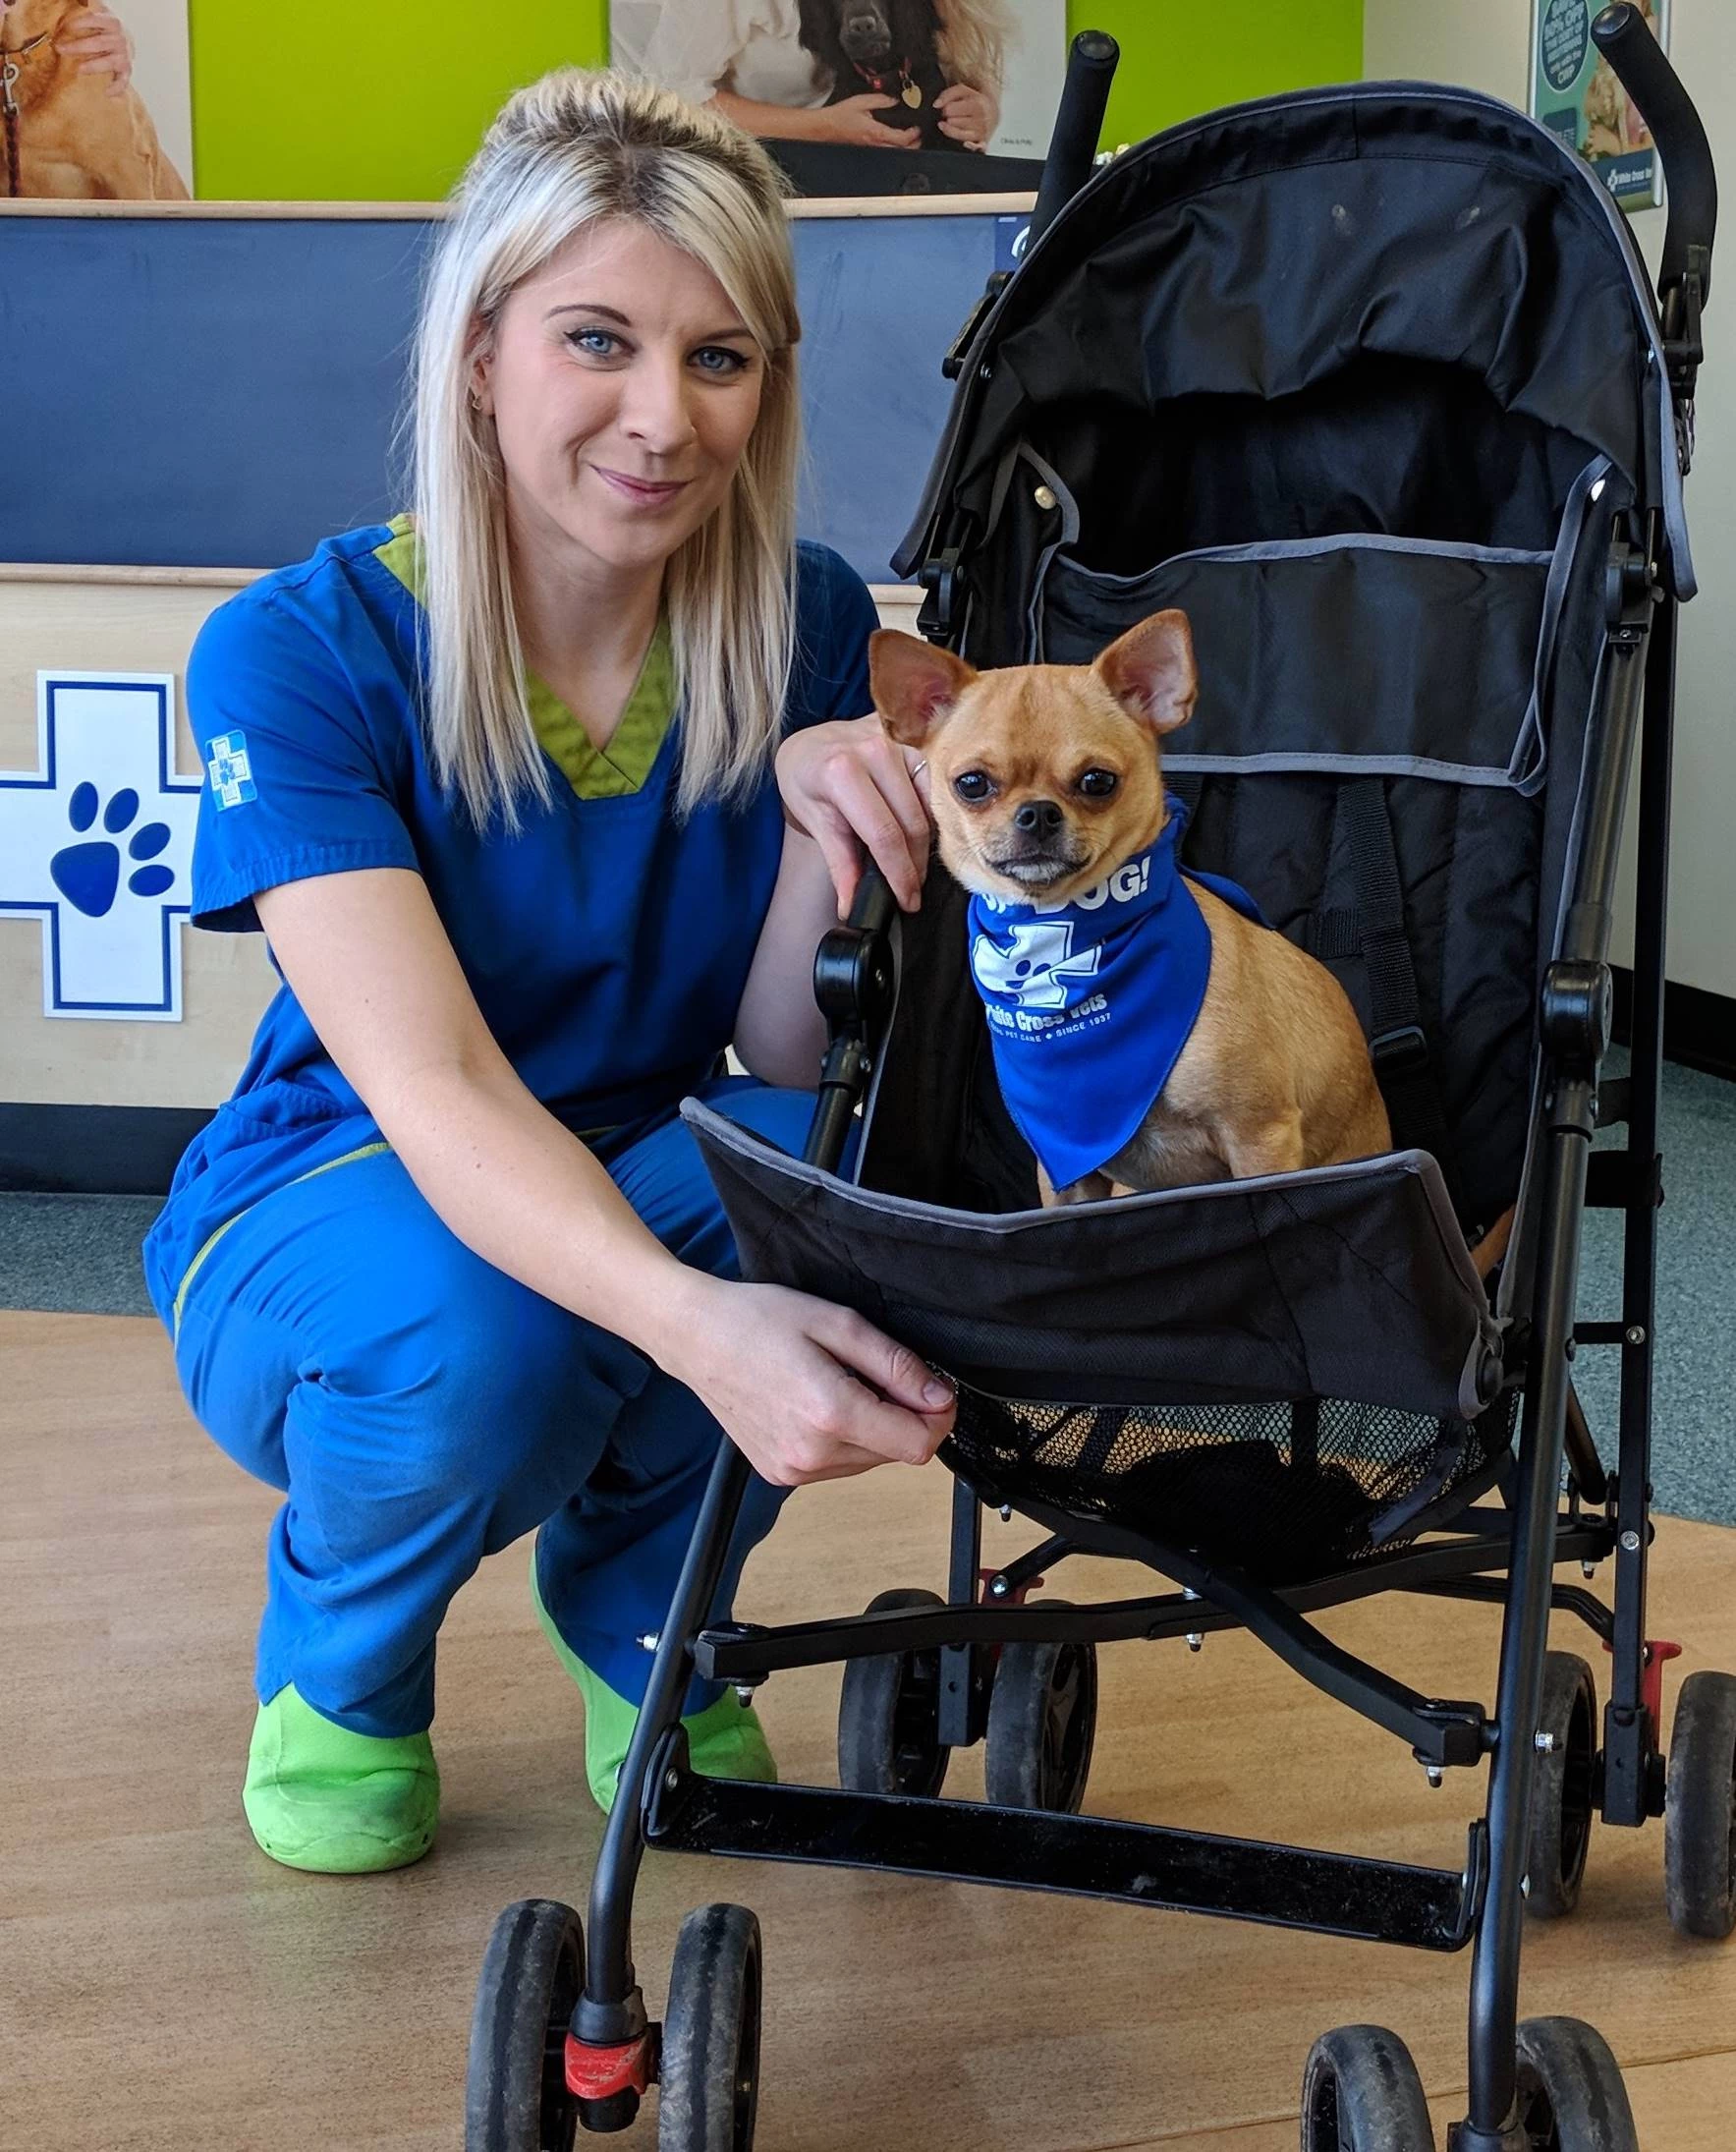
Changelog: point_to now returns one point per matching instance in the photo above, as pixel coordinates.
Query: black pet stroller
(1372, 382)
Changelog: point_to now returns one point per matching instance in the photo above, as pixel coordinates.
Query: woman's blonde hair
(973, 44)
(569, 149)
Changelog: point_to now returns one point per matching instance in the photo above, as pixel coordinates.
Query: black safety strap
(1404, 1065)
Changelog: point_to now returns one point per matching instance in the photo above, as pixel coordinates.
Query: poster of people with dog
(975, 76)
(1575, 93)
(96, 100)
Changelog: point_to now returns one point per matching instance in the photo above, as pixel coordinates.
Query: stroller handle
(1645, 72)
(854, 983)
(876, 907)
(1078, 120)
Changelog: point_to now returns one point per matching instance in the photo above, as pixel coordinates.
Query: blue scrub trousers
(421, 1409)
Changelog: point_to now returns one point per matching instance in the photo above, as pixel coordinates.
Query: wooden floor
(163, 1985)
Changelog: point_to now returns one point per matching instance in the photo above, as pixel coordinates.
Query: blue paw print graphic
(88, 876)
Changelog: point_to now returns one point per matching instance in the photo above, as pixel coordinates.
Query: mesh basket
(1282, 1492)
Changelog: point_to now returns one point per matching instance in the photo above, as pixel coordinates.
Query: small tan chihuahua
(1149, 1031)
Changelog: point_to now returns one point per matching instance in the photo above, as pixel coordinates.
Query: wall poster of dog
(95, 100)
(980, 76)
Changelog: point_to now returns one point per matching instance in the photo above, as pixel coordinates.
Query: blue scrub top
(607, 944)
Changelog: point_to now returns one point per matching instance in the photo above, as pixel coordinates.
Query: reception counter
(199, 392)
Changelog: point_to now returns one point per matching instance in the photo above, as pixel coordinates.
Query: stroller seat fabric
(1158, 1363)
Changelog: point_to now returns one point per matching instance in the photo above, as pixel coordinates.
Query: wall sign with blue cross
(97, 843)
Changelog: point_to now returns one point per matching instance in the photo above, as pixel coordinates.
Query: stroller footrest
(1083, 1857)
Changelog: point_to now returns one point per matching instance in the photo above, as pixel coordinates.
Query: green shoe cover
(343, 1804)
(725, 1740)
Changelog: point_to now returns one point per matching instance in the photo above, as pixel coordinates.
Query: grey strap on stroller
(1371, 382)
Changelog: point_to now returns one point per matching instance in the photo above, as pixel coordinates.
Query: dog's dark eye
(973, 787)
(1098, 784)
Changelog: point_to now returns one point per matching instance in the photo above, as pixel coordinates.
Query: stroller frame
(605, 2049)
(1438, 1910)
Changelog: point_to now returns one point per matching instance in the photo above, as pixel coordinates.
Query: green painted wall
(364, 100)
(328, 100)
(1176, 60)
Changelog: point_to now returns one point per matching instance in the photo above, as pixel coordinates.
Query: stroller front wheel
(516, 2096)
(708, 2091)
(1571, 2096)
(889, 1715)
(1361, 2093)
(1043, 1722)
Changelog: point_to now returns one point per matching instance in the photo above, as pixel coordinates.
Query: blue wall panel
(881, 301)
(217, 393)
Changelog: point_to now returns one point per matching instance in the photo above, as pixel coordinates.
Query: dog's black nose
(1038, 817)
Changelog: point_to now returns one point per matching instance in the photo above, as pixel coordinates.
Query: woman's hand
(846, 784)
(853, 120)
(98, 41)
(806, 1390)
(968, 116)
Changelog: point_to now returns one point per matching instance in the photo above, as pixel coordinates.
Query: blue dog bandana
(1089, 1004)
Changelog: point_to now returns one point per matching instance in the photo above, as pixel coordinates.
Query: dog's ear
(913, 683)
(1151, 672)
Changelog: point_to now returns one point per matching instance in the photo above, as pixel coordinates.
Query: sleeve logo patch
(232, 772)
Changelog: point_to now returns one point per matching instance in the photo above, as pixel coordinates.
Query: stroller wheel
(709, 2077)
(1043, 1719)
(1561, 1802)
(1700, 1808)
(889, 1715)
(515, 2095)
(1571, 2097)
(1361, 2093)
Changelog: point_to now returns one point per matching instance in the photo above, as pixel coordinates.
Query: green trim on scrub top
(593, 773)
(367, 1151)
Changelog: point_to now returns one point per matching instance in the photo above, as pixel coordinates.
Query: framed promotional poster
(952, 94)
(1575, 93)
(95, 100)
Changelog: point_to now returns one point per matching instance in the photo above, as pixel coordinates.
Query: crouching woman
(532, 793)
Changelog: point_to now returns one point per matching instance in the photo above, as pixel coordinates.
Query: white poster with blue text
(1576, 94)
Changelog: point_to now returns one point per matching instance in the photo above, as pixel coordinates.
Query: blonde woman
(755, 62)
(533, 795)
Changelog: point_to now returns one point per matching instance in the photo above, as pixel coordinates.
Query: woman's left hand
(968, 116)
(99, 42)
(846, 784)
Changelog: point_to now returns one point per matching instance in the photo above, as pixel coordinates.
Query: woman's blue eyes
(716, 360)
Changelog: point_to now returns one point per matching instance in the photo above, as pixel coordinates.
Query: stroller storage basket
(1282, 1492)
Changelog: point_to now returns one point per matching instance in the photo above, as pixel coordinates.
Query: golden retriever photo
(71, 122)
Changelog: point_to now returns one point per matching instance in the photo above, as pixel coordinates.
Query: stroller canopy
(1254, 298)
(1360, 379)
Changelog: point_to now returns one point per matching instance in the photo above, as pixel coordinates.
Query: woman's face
(624, 387)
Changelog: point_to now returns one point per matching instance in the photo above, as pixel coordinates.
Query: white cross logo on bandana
(1036, 969)
(96, 841)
